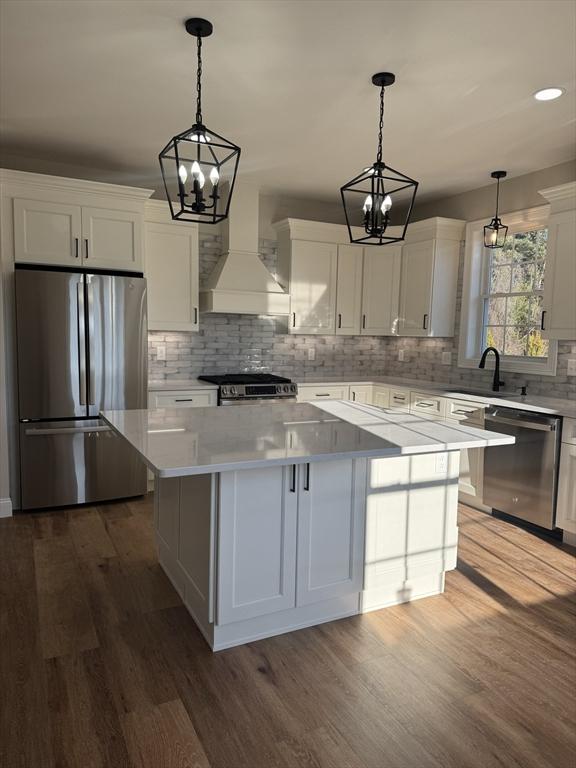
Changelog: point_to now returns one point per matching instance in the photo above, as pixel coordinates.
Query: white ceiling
(104, 85)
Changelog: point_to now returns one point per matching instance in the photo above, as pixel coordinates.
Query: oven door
(258, 400)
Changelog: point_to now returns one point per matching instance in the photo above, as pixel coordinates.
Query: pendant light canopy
(379, 197)
(198, 165)
(495, 232)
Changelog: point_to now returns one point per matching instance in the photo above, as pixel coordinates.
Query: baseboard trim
(5, 507)
(568, 537)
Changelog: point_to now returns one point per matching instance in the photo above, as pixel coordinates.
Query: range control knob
(232, 390)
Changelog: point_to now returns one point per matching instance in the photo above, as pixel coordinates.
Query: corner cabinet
(171, 258)
(380, 290)
(308, 519)
(559, 305)
(429, 278)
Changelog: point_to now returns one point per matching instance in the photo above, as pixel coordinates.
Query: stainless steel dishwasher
(521, 479)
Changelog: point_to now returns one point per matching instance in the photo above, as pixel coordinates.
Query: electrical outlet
(401, 355)
(442, 463)
(161, 352)
(311, 354)
(446, 358)
(571, 366)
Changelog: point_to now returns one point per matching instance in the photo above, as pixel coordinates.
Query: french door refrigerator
(81, 349)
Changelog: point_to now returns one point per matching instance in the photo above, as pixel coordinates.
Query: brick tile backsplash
(235, 343)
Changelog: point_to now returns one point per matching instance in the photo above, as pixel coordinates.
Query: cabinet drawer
(465, 410)
(195, 398)
(569, 431)
(323, 392)
(400, 399)
(427, 404)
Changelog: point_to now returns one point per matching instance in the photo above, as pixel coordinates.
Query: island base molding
(258, 553)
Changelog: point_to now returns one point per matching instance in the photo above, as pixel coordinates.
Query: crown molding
(561, 198)
(21, 179)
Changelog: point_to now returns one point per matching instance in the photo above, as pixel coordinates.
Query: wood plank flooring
(100, 664)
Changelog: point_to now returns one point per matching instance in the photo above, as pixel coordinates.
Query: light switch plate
(442, 463)
(311, 354)
(401, 355)
(161, 352)
(571, 366)
(446, 358)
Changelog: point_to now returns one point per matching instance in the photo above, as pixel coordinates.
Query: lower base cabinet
(289, 536)
(566, 505)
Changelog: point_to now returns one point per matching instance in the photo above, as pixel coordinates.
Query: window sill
(547, 368)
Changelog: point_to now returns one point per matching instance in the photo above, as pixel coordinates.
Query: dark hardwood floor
(102, 666)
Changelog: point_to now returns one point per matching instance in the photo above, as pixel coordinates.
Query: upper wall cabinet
(349, 290)
(171, 256)
(49, 220)
(47, 232)
(429, 278)
(313, 287)
(380, 290)
(559, 306)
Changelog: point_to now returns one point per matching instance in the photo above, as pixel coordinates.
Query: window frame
(474, 285)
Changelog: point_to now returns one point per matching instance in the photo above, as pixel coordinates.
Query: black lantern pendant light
(371, 199)
(495, 232)
(199, 166)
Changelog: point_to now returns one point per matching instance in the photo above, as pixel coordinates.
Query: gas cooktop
(244, 378)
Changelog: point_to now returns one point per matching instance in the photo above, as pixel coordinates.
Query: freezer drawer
(76, 461)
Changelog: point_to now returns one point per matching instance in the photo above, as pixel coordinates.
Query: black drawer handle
(542, 328)
(307, 478)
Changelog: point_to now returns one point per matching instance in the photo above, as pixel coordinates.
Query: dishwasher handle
(543, 427)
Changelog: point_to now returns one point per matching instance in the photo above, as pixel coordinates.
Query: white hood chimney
(240, 283)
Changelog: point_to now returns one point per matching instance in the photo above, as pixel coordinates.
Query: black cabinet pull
(339, 320)
(425, 323)
(307, 478)
(293, 479)
(542, 328)
(363, 321)
(184, 400)
(293, 319)
(195, 315)
(76, 254)
(86, 241)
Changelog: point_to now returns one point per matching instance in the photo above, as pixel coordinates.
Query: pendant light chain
(199, 83)
(380, 126)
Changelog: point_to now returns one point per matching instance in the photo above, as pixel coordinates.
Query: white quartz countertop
(179, 384)
(175, 442)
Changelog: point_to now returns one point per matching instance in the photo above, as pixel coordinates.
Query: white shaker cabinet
(313, 287)
(289, 536)
(171, 251)
(361, 393)
(111, 239)
(348, 290)
(380, 396)
(330, 530)
(429, 277)
(257, 543)
(380, 291)
(559, 305)
(47, 232)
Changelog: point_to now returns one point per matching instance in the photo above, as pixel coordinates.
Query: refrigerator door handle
(81, 342)
(91, 363)
(66, 430)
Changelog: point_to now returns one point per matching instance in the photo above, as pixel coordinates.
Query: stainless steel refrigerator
(81, 349)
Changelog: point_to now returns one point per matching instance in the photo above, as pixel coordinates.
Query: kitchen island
(270, 518)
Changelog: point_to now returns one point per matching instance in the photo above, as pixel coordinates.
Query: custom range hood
(240, 283)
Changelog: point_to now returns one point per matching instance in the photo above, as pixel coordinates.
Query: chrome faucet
(496, 384)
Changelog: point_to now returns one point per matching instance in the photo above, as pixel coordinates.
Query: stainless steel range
(250, 388)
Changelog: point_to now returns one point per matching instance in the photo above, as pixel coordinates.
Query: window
(502, 295)
(514, 281)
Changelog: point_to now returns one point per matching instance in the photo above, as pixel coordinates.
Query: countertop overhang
(175, 442)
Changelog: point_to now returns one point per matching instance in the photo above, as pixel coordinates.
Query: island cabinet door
(257, 543)
(330, 529)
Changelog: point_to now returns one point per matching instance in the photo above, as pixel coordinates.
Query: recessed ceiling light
(547, 94)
